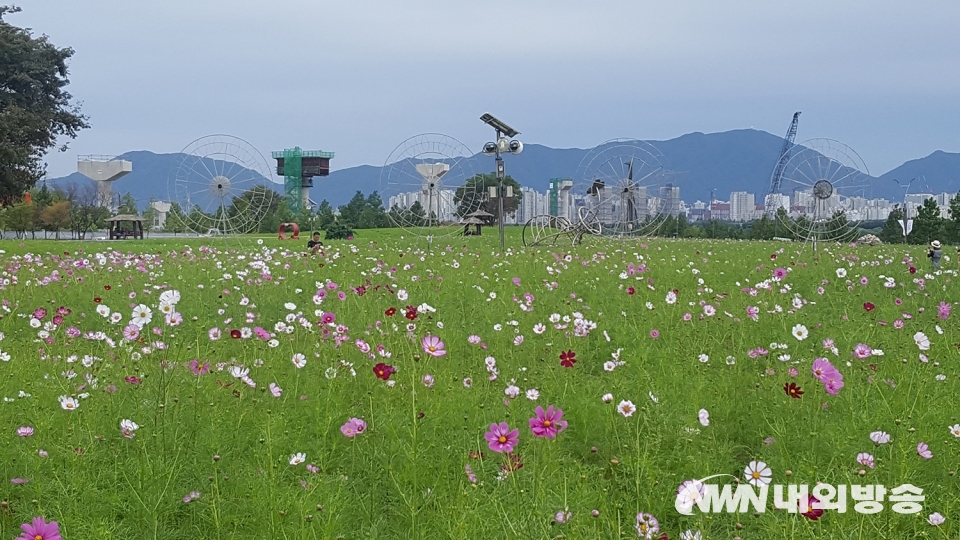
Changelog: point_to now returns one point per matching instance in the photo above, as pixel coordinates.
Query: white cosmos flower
(128, 427)
(922, 341)
(299, 360)
(703, 358)
(606, 398)
(533, 394)
(298, 458)
(171, 297)
(402, 295)
(704, 417)
(273, 343)
(609, 365)
(290, 306)
(626, 408)
(955, 430)
(758, 474)
(841, 273)
(880, 437)
(653, 398)
(68, 403)
(142, 315)
(35, 323)
(239, 371)
(116, 317)
(800, 332)
(539, 328)
(103, 310)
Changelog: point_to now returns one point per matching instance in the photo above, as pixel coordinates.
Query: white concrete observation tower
(103, 170)
(431, 173)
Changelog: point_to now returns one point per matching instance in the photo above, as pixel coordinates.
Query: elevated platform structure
(104, 170)
(298, 167)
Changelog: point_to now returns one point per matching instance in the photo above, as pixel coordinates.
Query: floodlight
(504, 144)
(499, 126)
(490, 149)
(516, 147)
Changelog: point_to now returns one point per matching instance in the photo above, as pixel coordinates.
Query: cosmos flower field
(384, 389)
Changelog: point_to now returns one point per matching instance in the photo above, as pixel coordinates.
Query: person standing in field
(935, 254)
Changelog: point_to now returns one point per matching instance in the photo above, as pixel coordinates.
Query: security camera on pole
(504, 143)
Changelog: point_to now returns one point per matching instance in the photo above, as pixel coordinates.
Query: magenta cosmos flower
(433, 346)
(353, 427)
(548, 424)
(40, 530)
(862, 351)
(500, 437)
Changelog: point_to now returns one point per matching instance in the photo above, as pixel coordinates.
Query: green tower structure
(298, 167)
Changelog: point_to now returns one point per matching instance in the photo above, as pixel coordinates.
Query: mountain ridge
(736, 160)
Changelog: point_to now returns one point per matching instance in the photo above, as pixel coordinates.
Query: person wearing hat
(935, 253)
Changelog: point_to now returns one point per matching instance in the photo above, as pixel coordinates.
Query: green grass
(404, 477)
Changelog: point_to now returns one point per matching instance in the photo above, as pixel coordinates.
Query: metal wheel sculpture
(426, 189)
(624, 184)
(622, 191)
(824, 179)
(223, 186)
(550, 230)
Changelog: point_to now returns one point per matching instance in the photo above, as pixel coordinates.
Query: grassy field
(185, 415)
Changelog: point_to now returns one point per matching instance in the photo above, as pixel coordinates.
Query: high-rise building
(742, 206)
(670, 199)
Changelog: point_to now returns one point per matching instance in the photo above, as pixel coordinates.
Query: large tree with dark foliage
(35, 108)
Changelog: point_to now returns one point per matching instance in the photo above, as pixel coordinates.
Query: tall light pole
(502, 144)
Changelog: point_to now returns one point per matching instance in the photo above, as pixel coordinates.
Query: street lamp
(504, 143)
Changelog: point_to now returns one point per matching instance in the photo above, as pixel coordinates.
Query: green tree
(325, 216)
(86, 214)
(892, 232)
(473, 195)
(128, 205)
(352, 212)
(21, 218)
(35, 108)
(928, 225)
(176, 221)
(953, 226)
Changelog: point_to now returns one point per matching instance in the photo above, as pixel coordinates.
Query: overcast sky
(357, 77)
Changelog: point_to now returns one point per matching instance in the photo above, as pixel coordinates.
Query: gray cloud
(359, 77)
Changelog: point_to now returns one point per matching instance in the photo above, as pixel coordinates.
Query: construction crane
(781, 163)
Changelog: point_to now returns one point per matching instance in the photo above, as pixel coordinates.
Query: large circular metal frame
(624, 188)
(431, 169)
(824, 179)
(213, 172)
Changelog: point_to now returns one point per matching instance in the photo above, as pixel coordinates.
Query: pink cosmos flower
(822, 369)
(924, 451)
(752, 312)
(862, 351)
(433, 346)
(40, 530)
(654, 333)
(353, 427)
(275, 390)
(428, 380)
(197, 369)
(865, 459)
(501, 439)
(131, 332)
(327, 318)
(943, 310)
(548, 424)
(780, 273)
(24, 431)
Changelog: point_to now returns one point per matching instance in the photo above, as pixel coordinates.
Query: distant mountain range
(740, 160)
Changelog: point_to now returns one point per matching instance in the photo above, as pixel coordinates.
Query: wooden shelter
(467, 222)
(125, 226)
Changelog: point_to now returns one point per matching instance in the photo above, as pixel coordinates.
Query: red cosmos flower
(361, 290)
(132, 380)
(793, 390)
(773, 255)
(383, 371)
(913, 270)
(808, 505)
(96, 299)
(106, 287)
(390, 312)
(235, 334)
(868, 306)
(568, 359)
(631, 291)
(411, 313)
